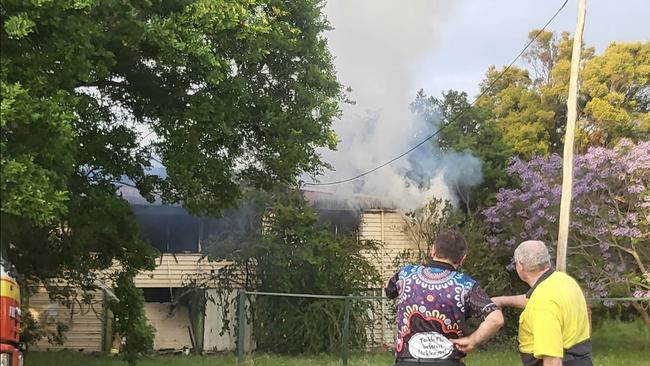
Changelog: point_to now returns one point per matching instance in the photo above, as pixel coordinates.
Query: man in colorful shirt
(554, 328)
(434, 302)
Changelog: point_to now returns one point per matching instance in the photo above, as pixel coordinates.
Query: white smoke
(377, 45)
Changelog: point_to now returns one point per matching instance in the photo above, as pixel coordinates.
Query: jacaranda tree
(609, 242)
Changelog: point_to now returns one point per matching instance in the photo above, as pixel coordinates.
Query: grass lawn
(615, 344)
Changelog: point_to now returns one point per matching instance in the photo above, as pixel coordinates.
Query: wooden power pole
(572, 113)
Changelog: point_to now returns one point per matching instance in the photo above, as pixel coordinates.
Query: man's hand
(465, 344)
(486, 330)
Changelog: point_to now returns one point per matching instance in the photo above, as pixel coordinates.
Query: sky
(386, 50)
(466, 36)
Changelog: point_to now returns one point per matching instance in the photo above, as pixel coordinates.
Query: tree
(531, 110)
(609, 247)
(223, 93)
(470, 129)
(518, 110)
(550, 60)
(616, 86)
(286, 251)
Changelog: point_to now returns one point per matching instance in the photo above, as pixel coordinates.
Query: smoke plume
(377, 46)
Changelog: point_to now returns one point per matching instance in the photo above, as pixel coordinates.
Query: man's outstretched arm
(515, 301)
(486, 330)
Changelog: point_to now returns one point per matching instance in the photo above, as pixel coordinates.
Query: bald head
(533, 256)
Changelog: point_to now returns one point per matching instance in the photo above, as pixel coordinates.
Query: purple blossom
(631, 218)
(641, 294)
(593, 210)
(539, 233)
(627, 232)
(635, 189)
(556, 192)
(491, 215)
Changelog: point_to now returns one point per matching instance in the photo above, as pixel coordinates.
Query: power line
(501, 74)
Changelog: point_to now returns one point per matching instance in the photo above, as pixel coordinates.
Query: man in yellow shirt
(554, 327)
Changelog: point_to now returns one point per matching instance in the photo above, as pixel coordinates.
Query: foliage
(30, 332)
(549, 59)
(221, 92)
(529, 105)
(423, 225)
(472, 130)
(130, 322)
(518, 110)
(616, 87)
(609, 231)
(287, 252)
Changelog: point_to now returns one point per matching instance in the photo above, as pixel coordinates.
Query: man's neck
(446, 261)
(532, 279)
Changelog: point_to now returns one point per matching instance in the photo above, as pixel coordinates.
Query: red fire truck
(10, 354)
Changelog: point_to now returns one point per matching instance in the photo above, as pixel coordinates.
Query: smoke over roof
(378, 44)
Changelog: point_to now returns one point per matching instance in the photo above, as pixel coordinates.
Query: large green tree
(616, 92)
(223, 93)
(549, 62)
(529, 103)
(518, 110)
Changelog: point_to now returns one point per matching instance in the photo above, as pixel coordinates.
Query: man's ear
(462, 260)
(519, 267)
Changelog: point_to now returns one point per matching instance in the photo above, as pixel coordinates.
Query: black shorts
(528, 360)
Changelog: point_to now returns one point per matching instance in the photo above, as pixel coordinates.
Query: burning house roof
(170, 228)
(327, 200)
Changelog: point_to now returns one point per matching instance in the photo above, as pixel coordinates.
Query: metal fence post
(241, 324)
(346, 333)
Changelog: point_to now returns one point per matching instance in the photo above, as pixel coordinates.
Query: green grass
(615, 344)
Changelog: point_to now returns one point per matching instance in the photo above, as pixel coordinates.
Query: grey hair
(533, 255)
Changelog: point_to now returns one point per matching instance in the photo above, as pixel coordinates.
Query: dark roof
(329, 200)
(171, 229)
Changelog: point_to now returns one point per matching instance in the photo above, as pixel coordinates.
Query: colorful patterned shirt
(434, 303)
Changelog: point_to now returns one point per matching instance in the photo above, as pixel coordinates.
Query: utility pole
(567, 169)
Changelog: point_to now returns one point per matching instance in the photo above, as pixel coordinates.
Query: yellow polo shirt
(555, 318)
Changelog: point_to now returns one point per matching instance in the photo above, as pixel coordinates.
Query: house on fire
(181, 238)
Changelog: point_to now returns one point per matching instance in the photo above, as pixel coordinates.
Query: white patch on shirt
(430, 345)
